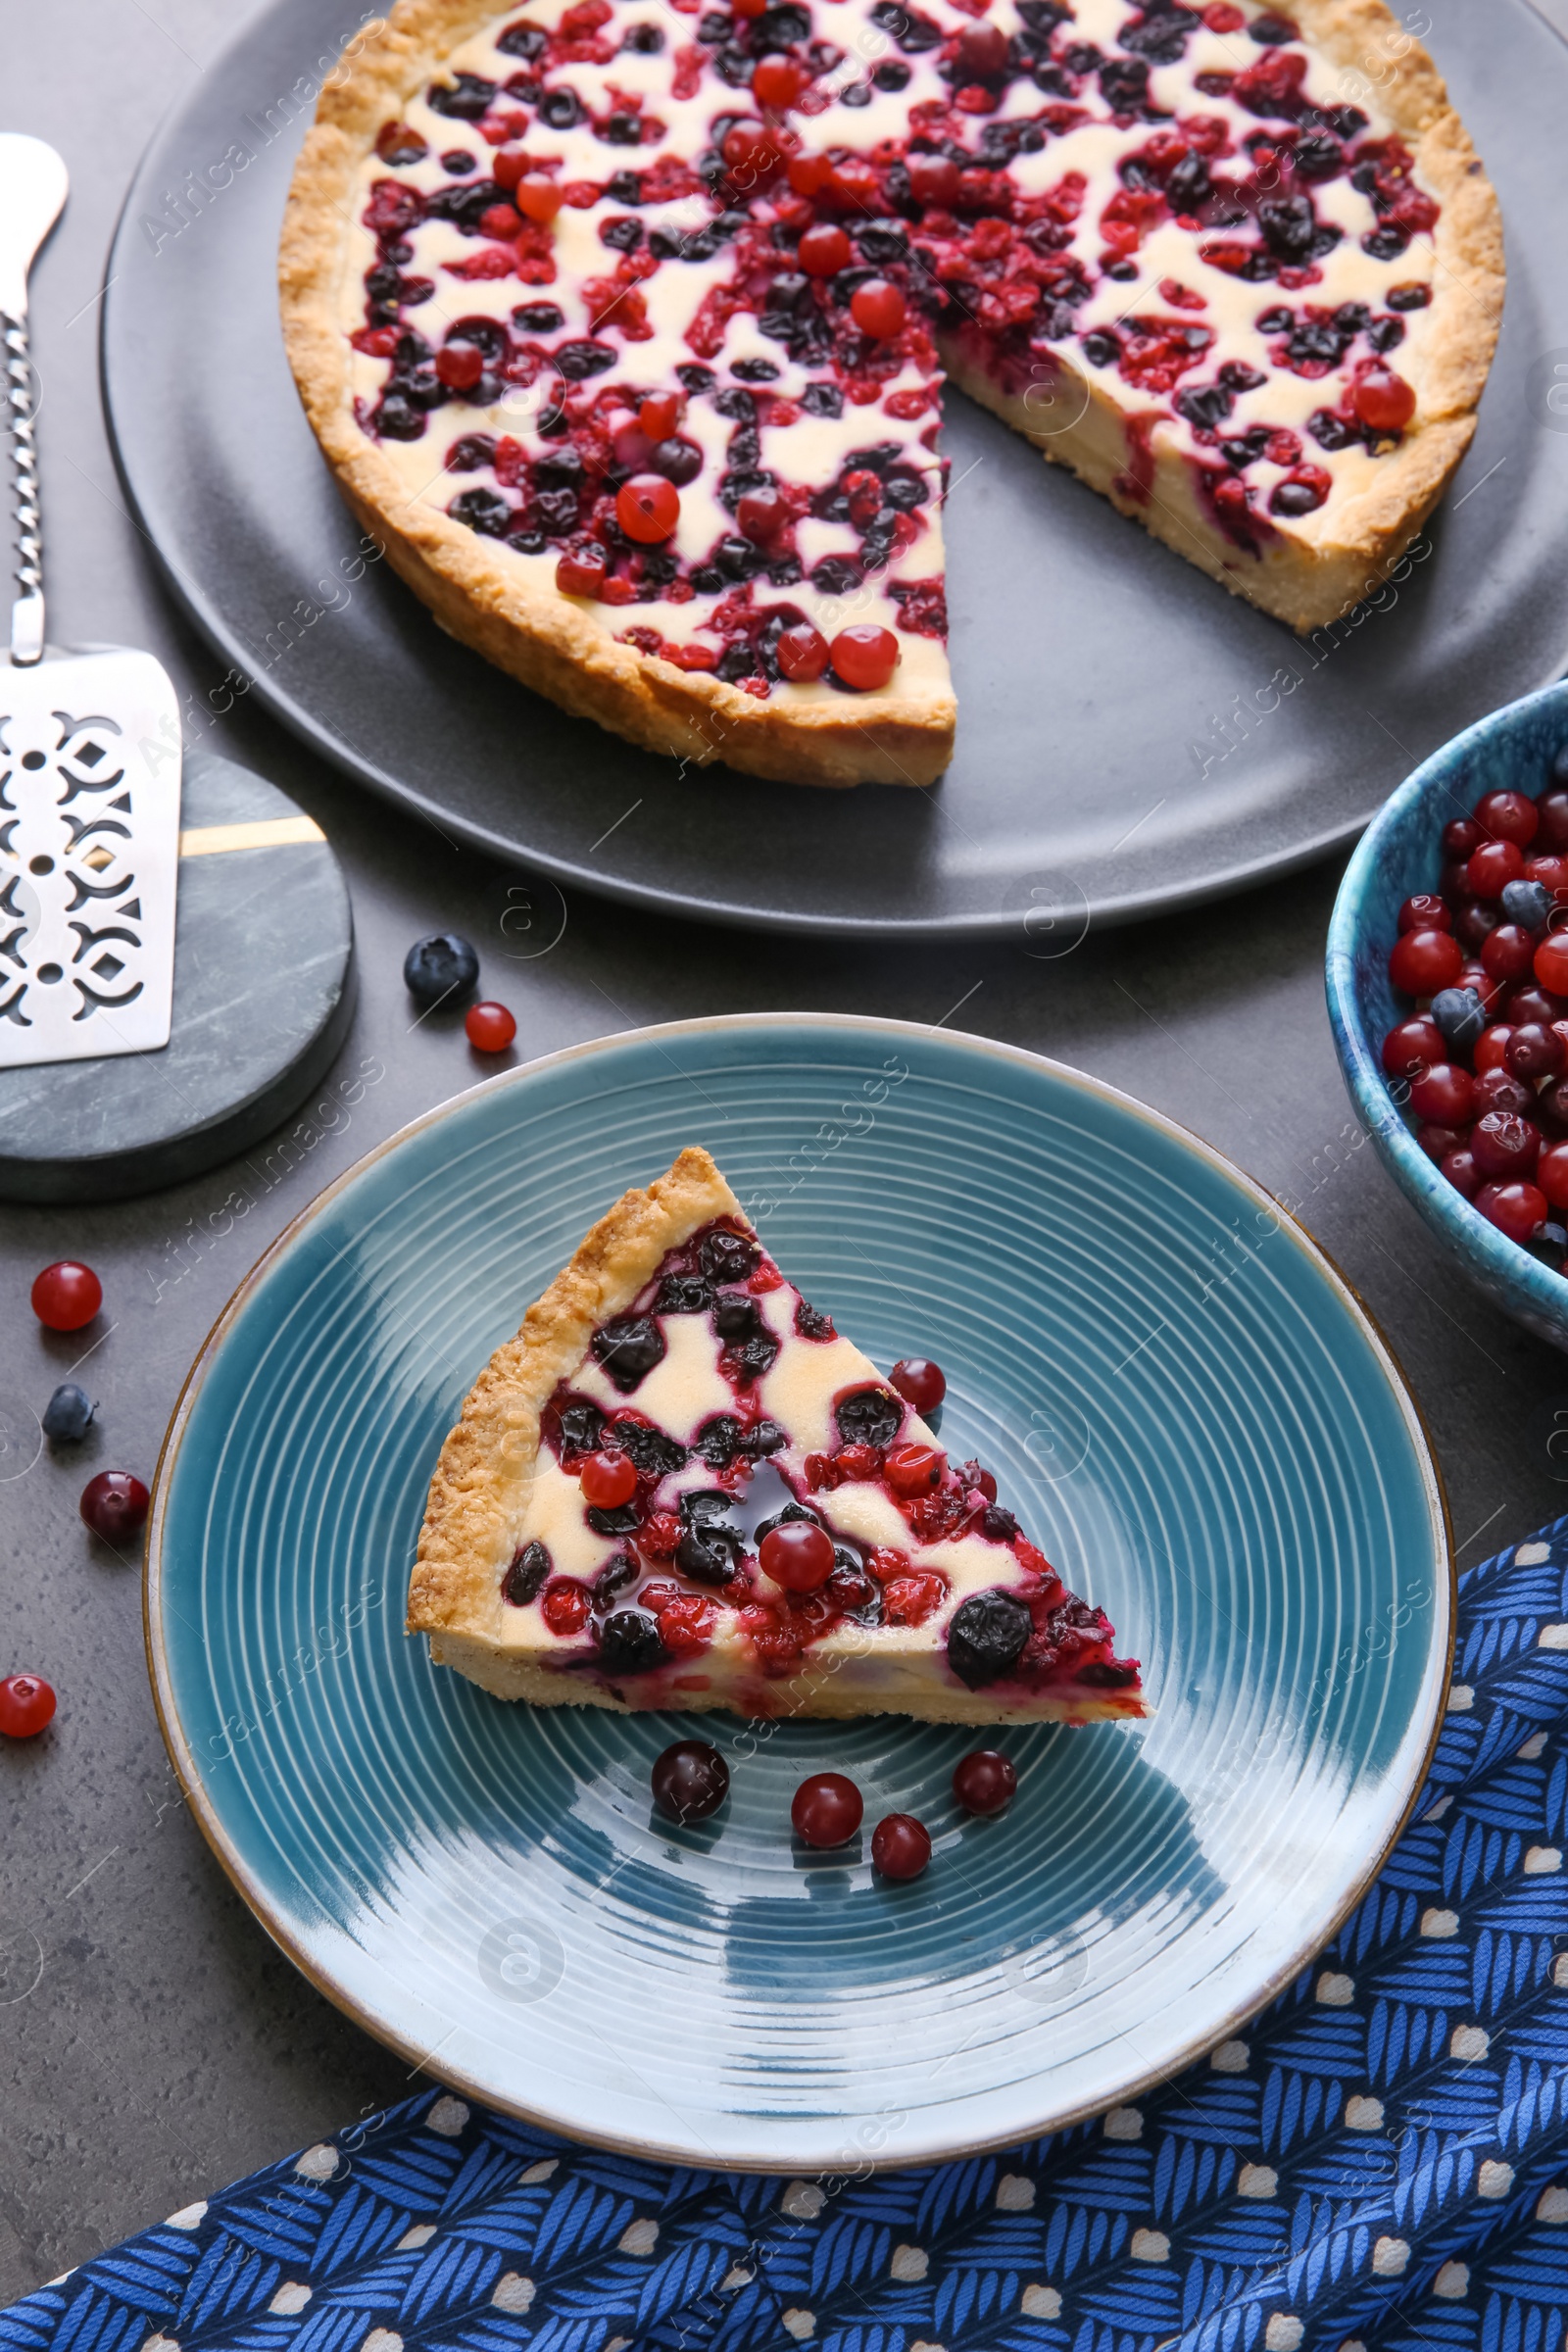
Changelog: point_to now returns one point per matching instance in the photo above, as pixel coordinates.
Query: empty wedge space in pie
(624, 325)
(604, 1526)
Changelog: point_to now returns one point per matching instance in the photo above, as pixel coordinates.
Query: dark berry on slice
(525, 1578)
(690, 1781)
(919, 1382)
(443, 964)
(616, 1576)
(986, 1781)
(869, 1418)
(629, 1644)
(683, 1294)
(726, 1256)
(827, 1809)
(986, 1633)
(901, 1847)
(629, 1346)
(67, 1415)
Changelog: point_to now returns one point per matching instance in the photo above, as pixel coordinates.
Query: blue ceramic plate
(1401, 852)
(1176, 1391)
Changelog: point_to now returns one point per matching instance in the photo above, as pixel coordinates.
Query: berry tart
(680, 1487)
(625, 324)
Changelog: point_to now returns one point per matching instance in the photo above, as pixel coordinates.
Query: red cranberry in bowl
(1506, 1145)
(1550, 1110)
(1460, 1169)
(1508, 952)
(1500, 1090)
(1461, 835)
(1424, 962)
(1534, 1003)
(1413, 1046)
(1474, 922)
(1552, 811)
(1509, 816)
(1438, 1141)
(1441, 1095)
(1425, 913)
(1551, 1175)
(1534, 1052)
(1491, 1047)
(901, 1847)
(1551, 962)
(1516, 1209)
(1492, 868)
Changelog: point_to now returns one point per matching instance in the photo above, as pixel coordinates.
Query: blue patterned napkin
(1380, 2160)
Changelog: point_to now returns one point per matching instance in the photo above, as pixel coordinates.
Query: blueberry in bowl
(1447, 993)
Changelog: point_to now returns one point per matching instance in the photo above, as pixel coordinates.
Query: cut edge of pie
(500, 1478)
(1308, 572)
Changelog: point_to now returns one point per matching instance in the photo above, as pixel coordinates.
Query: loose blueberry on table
(440, 967)
(1484, 1054)
(27, 1706)
(68, 1415)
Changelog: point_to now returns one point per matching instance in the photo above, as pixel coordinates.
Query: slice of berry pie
(624, 323)
(679, 1487)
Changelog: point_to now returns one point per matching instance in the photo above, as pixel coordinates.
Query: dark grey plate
(1130, 737)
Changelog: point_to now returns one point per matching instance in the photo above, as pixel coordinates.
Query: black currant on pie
(680, 1487)
(624, 323)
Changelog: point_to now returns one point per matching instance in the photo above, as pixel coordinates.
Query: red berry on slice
(1507, 817)
(827, 1809)
(1516, 1208)
(866, 657)
(801, 652)
(934, 181)
(809, 176)
(607, 1480)
(581, 572)
(648, 507)
(539, 198)
(66, 1295)
(1413, 1046)
(798, 1554)
(659, 415)
(460, 364)
(690, 1781)
(490, 1028)
(565, 1605)
(1384, 401)
(986, 1781)
(27, 1705)
(777, 82)
(761, 514)
(752, 152)
(921, 1382)
(913, 1469)
(1551, 812)
(824, 250)
(901, 1847)
(114, 1504)
(1424, 962)
(878, 309)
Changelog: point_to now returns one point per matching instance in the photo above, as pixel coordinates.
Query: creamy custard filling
(1171, 212)
(739, 1407)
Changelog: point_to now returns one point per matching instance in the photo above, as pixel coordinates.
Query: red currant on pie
(659, 415)
(798, 1555)
(539, 198)
(490, 1028)
(1384, 401)
(648, 507)
(26, 1705)
(607, 1480)
(913, 1469)
(986, 1781)
(827, 1809)
(878, 308)
(802, 654)
(66, 1295)
(113, 1505)
(777, 82)
(901, 1847)
(864, 657)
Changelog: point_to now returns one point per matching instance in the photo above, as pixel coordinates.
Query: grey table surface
(167, 2046)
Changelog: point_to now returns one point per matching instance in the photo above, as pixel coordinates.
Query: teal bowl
(1179, 1396)
(1398, 855)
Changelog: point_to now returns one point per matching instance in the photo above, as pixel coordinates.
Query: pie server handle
(32, 190)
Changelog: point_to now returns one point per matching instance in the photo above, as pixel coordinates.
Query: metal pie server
(89, 753)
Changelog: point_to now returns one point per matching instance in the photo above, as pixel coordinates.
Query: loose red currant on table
(866, 657)
(919, 1382)
(1515, 1208)
(878, 309)
(1424, 962)
(27, 1705)
(798, 1555)
(607, 1480)
(114, 1504)
(690, 1781)
(827, 1809)
(648, 507)
(1384, 401)
(490, 1028)
(901, 1847)
(802, 654)
(985, 1782)
(913, 1469)
(66, 1295)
